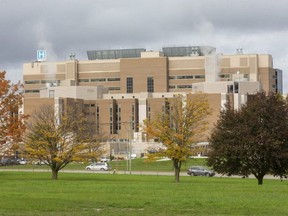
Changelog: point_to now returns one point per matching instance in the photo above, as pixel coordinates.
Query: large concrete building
(118, 89)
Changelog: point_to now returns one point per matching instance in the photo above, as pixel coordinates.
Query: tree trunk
(260, 180)
(259, 177)
(177, 169)
(177, 175)
(54, 174)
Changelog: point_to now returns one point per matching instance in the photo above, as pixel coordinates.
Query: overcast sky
(75, 26)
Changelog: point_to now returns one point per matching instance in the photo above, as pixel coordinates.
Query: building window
(51, 82)
(230, 88)
(32, 82)
(181, 77)
(132, 118)
(111, 120)
(150, 84)
(51, 93)
(118, 118)
(32, 91)
(129, 84)
(184, 77)
(98, 80)
(149, 113)
(199, 76)
(224, 76)
(184, 86)
(236, 85)
(83, 80)
(113, 79)
(114, 88)
(97, 120)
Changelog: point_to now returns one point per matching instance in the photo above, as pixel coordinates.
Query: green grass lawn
(33, 193)
(138, 164)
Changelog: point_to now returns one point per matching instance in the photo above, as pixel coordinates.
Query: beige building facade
(119, 89)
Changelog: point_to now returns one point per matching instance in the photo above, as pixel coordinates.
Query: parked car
(8, 162)
(22, 161)
(39, 162)
(105, 159)
(98, 166)
(200, 171)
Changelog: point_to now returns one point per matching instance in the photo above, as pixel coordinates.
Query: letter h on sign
(41, 55)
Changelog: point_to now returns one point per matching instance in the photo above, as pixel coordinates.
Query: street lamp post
(129, 146)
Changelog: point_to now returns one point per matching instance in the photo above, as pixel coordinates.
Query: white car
(22, 161)
(105, 159)
(98, 166)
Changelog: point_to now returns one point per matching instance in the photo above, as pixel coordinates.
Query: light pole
(129, 146)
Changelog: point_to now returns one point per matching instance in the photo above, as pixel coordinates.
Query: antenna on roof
(239, 50)
(72, 56)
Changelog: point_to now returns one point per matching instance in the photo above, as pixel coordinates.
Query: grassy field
(138, 164)
(32, 193)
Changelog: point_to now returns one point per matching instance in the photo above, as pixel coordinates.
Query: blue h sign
(41, 55)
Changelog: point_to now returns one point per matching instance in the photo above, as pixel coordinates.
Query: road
(128, 173)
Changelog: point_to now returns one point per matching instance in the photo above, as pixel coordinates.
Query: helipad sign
(41, 55)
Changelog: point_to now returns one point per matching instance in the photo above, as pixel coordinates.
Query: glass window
(236, 84)
(98, 80)
(224, 76)
(199, 76)
(185, 77)
(150, 84)
(51, 82)
(83, 80)
(51, 93)
(32, 82)
(114, 88)
(113, 79)
(230, 88)
(129, 84)
(32, 91)
(184, 86)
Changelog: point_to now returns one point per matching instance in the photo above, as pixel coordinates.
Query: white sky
(75, 26)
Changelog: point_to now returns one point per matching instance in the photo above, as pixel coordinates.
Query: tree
(12, 121)
(58, 138)
(180, 127)
(252, 140)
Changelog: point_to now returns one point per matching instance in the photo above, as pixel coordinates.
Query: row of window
(51, 92)
(32, 91)
(35, 82)
(150, 88)
(129, 79)
(180, 86)
(223, 76)
(187, 77)
(112, 79)
(114, 88)
(41, 82)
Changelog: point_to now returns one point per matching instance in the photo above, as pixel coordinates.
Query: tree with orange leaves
(12, 124)
(179, 127)
(59, 137)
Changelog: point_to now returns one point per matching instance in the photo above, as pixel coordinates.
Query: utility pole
(130, 146)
